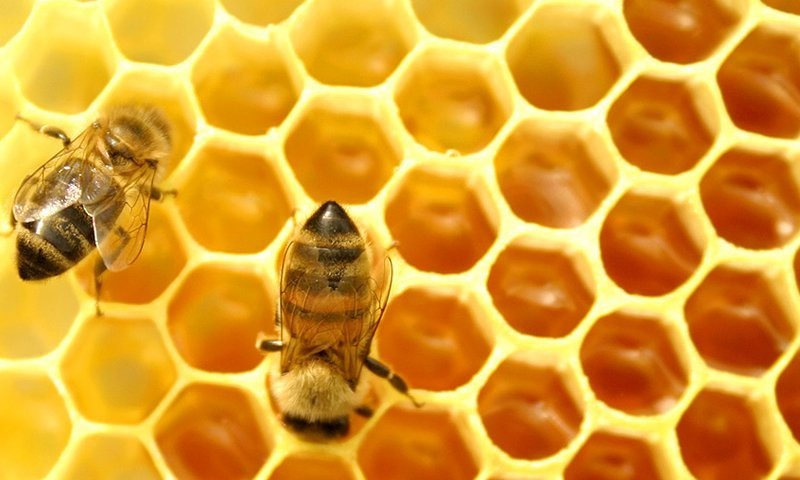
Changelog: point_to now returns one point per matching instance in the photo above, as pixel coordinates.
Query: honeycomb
(595, 205)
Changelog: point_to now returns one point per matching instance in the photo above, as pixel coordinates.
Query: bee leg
(268, 345)
(395, 381)
(99, 269)
(364, 411)
(48, 130)
(158, 194)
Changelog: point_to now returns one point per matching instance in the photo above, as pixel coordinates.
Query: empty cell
(648, 245)
(610, 456)
(111, 456)
(787, 394)
(719, 438)
(681, 31)
(453, 100)
(443, 330)
(752, 198)
(35, 424)
(424, 444)
(312, 467)
(789, 6)
(440, 223)
(242, 84)
(478, 21)
(232, 201)
(342, 153)
(64, 58)
(656, 126)
(538, 291)
(632, 364)
(258, 12)
(561, 59)
(212, 432)
(216, 315)
(358, 44)
(552, 176)
(165, 32)
(760, 83)
(14, 16)
(527, 409)
(738, 321)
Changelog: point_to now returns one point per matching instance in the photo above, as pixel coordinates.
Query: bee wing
(120, 222)
(55, 185)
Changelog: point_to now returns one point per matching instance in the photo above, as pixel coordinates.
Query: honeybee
(329, 307)
(95, 192)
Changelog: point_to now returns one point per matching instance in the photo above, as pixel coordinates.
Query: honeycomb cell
(64, 58)
(342, 153)
(719, 438)
(797, 268)
(760, 83)
(162, 259)
(787, 393)
(112, 457)
(552, 176)
(789, 6)
(358, 43)
(752, 199)
(243, 84)
(117, 370)
(425, 444)
(438, 324)
(738, 321)
(453, 100)
(609, 456)
(440, 221)
(166, 32)
(34, 422)
(656, 126)
(680, 31)
(232, 201)
(648, 244)
(478, 21)
(538, 291)
(561, 59)
(632, 364)
(14, 16)
(527, 409)
(261, 13)
(312, 467)
(213, 432)
(215, 316)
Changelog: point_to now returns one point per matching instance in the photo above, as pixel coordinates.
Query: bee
(329, 307)
(94, 193)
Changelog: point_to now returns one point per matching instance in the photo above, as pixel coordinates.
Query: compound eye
(118, 151)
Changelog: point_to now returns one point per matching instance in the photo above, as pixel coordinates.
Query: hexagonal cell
(261, 13)
(243, 84)
(98, 455)
(787, 394)
(352, 43)
(789, 6)
(657, 126)
(165, 32)
(561, 59)
(609, 456)
(215, 316)
(50, 73)
(719, 438)
(340, 149)
(440, 221)
(478, 21)
(453, 100)
(752, 198)
(650, 245)
(35, 424)
(760, 83)
(527, 409)
(437, 324)
(632, 364)
(313, 467)
(543, 292)
(117, 370)
(425, 444)
(682, 31)
(161, 260)
(552, 175)
(14, 16)
(249, 203)
(211, 431)
(738, 321)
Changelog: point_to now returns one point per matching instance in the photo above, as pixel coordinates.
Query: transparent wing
(120, 222)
